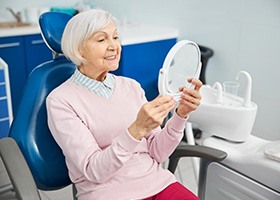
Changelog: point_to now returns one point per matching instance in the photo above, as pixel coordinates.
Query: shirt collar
(109, 81)
(92, 84)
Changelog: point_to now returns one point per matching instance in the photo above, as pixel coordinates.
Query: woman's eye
(116, 37)
(101, 40)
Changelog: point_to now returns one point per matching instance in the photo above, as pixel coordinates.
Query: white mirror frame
(164, 71)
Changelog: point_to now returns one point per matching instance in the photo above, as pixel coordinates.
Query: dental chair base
(246, 173)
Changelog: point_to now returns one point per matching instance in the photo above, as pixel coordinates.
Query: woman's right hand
(151, 115)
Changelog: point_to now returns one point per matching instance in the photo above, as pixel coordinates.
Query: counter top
(18, 31)
(139, 33)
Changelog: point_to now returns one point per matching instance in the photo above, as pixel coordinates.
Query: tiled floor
(184, 173)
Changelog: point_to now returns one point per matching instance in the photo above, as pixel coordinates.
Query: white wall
(244, 34)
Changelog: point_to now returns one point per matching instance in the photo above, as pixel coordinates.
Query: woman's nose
(112, 45)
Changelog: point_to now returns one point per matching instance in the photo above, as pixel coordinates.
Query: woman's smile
(110, 57)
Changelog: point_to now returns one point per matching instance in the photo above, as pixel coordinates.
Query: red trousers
(175, 191)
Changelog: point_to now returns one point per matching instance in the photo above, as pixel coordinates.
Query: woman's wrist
(184, 116)
(135, 132)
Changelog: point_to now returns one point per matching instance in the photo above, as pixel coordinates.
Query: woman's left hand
(190, 98)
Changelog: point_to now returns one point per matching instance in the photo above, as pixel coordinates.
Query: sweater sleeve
(162, 143)
(83, 156)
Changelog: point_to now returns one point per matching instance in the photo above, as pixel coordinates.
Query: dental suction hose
(247, 96)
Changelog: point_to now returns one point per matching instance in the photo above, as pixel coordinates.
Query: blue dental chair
(29, 130)
(31, 156)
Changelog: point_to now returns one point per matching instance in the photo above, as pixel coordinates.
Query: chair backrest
(29, 128)
(206, 53)
(52, 25)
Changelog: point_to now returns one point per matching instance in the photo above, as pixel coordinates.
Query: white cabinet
(227, 184)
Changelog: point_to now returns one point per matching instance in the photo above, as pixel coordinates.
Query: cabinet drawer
(2, 89)
(9, 42)
(4, 127)
(2, 78)
(2, 83)
(224, 183)
(3, 107)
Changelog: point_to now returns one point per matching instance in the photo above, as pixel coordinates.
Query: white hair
(79, 29)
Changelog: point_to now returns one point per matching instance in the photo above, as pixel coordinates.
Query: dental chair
(42, 165)
(31, 156)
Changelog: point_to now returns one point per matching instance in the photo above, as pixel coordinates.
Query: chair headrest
(52, 25)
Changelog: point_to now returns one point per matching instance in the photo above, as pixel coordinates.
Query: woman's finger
(196, 82)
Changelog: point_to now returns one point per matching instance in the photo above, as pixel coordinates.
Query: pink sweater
(105, 162)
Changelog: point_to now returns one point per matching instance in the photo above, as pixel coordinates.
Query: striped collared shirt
(104, 89)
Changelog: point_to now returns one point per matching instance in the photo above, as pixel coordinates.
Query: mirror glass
(183, 66)
(182, 62)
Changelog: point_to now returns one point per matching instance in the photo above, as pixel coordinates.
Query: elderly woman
(109, 133)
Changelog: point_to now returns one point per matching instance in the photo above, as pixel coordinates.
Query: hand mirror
(182, 62)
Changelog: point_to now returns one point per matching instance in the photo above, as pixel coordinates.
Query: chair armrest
(18, 170)
(185, 150)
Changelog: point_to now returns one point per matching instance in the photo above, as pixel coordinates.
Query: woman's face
(101, 52)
